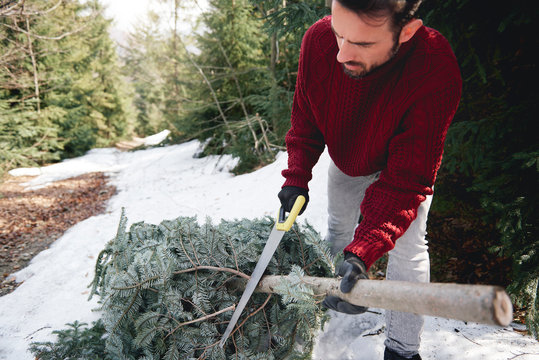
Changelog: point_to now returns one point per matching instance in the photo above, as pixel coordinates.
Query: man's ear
(409, 30)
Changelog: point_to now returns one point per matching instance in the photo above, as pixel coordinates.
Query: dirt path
(31, 220)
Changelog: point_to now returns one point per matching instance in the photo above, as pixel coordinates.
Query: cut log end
(503, 308)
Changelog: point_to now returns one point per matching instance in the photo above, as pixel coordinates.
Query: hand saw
(281, 226)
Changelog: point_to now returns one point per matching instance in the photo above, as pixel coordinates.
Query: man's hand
(352, 270)
(288, 196)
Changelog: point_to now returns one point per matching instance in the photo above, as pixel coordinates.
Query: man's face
(364, 43)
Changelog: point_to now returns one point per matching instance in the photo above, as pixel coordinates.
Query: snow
(156, 139)
(166, 182)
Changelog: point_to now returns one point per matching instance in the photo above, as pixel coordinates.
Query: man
(380, 90)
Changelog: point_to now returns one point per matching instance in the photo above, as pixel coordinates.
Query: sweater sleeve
(304, 142)
(414, 157)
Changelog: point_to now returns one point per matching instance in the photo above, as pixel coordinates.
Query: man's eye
(361, 45)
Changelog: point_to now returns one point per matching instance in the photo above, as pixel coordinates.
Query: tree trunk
(34, 65)
(475, 303)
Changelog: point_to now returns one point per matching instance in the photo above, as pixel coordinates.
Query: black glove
(352, 269)
(288, 195)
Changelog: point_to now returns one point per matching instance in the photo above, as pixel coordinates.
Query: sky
(127, 13)
(167, 182)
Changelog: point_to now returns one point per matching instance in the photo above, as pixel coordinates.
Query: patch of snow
(156, 139)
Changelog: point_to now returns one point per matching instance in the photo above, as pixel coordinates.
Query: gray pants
(408, 261)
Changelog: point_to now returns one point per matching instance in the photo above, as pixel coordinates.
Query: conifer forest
(66, 86)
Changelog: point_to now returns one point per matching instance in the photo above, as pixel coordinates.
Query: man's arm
(304, 142)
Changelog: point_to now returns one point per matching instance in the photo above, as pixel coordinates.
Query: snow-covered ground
(167, 182)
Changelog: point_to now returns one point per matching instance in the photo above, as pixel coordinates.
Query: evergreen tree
(76, 342)
(231, 65)
(144, 62)
(59, 79)
(88, 82)
(177, 78)
(156, 64)
(233, 89)
(27, 137)
(285, 23)
(27, 132)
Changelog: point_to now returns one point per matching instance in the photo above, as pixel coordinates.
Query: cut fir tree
(167, 291)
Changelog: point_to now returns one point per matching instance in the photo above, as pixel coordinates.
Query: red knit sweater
(394, 120)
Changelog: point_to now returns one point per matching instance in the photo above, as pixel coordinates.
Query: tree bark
(475, 303)
(34, 66)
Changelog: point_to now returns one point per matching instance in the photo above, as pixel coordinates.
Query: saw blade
(269, 249)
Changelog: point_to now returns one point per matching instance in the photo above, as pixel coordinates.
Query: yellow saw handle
(285, 224)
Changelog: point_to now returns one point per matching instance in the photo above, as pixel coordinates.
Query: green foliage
(491, 145)
(293, 19)
(28, 138)
(285, 26)
(88, 87)
(76, 342)
(242, 79)
(168, 290)
(59, 84)
(143, 65)
(155, 63)
(231, 86)
(230, 69)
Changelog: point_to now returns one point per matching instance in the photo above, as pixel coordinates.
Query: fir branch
(126, 311)
(15, 27)
(49, 10)
(214, 268)
(268, 325)
(194, 251)
(235, 254)
(185, 252)
(195, 306)
(230, 308)
(302, 251)
(251, 314)
(306, 267)
(138, 285)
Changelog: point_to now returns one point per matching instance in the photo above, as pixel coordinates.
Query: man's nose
(345, 53)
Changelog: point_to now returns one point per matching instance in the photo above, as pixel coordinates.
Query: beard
(365, 71)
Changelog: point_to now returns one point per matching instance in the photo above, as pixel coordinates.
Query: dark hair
(400, 11)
